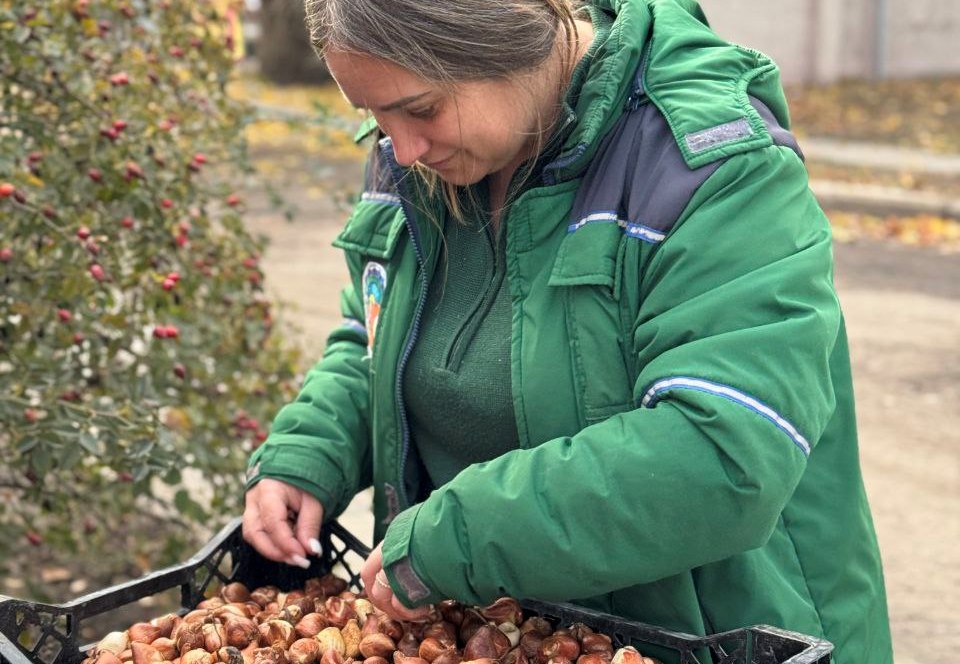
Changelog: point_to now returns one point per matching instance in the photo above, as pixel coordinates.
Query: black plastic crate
(35, 633)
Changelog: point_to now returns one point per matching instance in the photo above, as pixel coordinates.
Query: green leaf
(188, 506)
(28, 445)
(89, 442)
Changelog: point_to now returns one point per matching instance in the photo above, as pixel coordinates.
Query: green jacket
(680, 372)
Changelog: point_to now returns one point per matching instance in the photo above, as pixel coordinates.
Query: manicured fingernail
(299, 561)
(315, 546)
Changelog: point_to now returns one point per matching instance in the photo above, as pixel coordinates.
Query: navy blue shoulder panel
(639, 178)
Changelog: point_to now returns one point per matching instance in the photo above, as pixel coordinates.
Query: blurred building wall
(820, 41)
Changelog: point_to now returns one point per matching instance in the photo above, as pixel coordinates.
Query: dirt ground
(903, 315)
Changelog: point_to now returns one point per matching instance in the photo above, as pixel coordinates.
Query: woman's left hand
(381, 594)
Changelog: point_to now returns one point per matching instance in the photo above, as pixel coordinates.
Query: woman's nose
(409, 146)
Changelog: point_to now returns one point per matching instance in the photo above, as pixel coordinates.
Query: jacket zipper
(386, 146)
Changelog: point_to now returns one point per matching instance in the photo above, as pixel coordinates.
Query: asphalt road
(902, 308)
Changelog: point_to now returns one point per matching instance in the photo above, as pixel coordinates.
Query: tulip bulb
(627, 655)
(486, 642)
(351, 638)
(304, 651)
(114, 642)
(310, 625)
(331, 639)
(377, 645)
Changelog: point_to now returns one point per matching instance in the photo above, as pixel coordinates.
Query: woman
(592, 349)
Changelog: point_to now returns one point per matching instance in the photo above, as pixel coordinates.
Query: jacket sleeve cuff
(407, 581)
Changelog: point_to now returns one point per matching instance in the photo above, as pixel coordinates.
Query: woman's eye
(423, 113)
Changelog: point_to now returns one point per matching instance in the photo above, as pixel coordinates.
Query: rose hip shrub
(139, 362)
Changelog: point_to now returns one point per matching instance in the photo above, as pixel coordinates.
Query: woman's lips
(439, 164)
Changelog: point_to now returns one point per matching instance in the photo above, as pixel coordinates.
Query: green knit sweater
(457, 384)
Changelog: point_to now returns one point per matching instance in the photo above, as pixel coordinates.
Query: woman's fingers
(309, 519)
(400, 612)
(256, 535)
(369, 570)
(380, 593)
(267, 524)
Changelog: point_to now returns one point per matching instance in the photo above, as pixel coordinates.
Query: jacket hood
(663, 51)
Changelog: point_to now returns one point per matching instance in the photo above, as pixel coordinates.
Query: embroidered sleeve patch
(415, 589)
(720, 135)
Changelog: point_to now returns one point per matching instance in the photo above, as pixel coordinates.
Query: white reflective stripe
(355, 325)
(638, 231)
(642, 232)
(380, 197)
(652, 395)
(593, 218)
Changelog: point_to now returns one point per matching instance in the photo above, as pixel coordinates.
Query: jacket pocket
(374, 226)
(370, 240)
(588, 268)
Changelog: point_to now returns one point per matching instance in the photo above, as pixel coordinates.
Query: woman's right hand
(282, 522)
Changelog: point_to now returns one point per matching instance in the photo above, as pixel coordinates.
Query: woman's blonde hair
(448, 41)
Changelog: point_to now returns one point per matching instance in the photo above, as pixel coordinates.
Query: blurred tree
(284, 49)
(139, 364)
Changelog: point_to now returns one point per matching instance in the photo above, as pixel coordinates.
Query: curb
(875, 199)
(880, 157)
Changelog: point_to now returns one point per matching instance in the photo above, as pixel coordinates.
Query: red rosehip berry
(34, 537)
(166, 203)
(64, 315)
(49, 212)
(233, 200)
(164, 125)
(250, 262)
(96, 271)
(83, 232)
(7, 189)
(34, 157)
(168, 284)
(174, 276)
(179, 371)
(93, 247)
(166, 332)
(110, 133)
(95, 174)
(6, 255)
(133, 170)
(79, 8)
(119, 125)
(127, 222)
(200, 158)
(30, 415)
(78, 338)
(182, 240)
(120, 78)
(175, 51)
(70, 395)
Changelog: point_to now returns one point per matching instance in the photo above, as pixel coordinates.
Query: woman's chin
(457, 174)
(459, 179)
